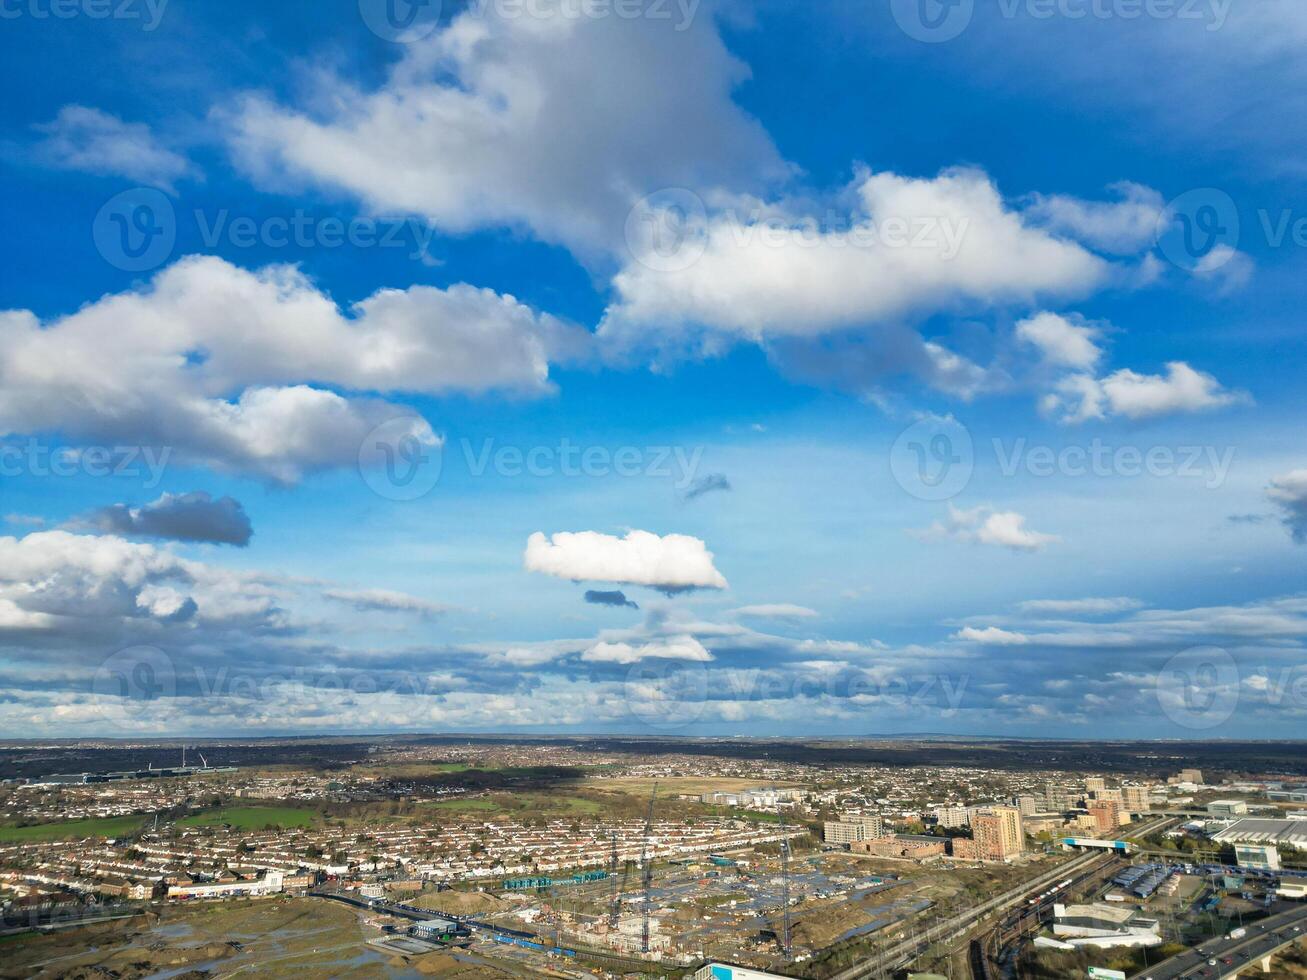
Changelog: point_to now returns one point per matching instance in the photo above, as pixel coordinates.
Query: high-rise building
(1094, 784)
(872, 824)
(952, 816)
(1191, 776)
(1106, 815)
(1028, 805)
(1056, 798)
(1135, 799)
(842, 832)
(998, 834)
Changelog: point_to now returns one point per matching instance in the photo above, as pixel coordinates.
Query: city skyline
(663, 369)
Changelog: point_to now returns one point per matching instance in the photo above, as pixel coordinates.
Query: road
(1234, 956)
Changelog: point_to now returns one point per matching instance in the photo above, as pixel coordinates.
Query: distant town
(492, 857)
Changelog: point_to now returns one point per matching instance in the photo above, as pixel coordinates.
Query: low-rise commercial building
(1104, 926)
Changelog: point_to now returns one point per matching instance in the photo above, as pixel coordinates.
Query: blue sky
(679, 368)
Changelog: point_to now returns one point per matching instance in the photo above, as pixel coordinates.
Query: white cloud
(1060, 341)
(85, 584)
(1122, 227)
(1140, 396)
(385, 600)
(991, 636)
(81, 138)
(222, 364)
(985, 525)
(557, 123)
(672, 562)
(671, 648)
(1081, 607)
(1289, 493)
(776, 610)
(916, 247)
(1226, 268)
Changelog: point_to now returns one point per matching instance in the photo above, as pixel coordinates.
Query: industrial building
(1104, 926)
(1227, 808)
(1260, 857)
(1254, 830)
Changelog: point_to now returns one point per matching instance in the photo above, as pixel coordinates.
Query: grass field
(71, 829)
(674, 785)
(466, 806)
(251, 817)
(524, 805)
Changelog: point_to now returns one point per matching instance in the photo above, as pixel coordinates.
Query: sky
(676, 367)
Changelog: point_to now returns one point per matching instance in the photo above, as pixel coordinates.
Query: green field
(465, 806)
(251, 817)
(67, 829)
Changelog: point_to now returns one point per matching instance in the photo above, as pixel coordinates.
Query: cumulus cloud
(76, 584)
(1289, 493)
(671, 648)
(1125, 226)
(779, 274)
(614, 598)
(587, 100)
(385, 600)
(194, 516)
(706, 484)
(1082, 397)
(985, 525)
(1061, 341)
(236, 368)
(96, 142)
(670, 563)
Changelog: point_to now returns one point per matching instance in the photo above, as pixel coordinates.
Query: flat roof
(1258, 830)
